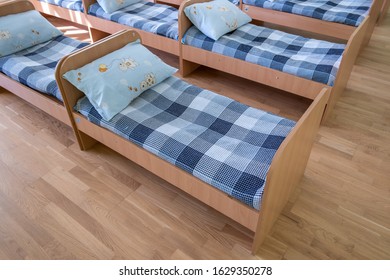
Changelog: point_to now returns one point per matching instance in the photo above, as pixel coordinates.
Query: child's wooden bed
(319, 26)
(284, 173)
(46, 103)
(192, 57)
(100, 28)
(74, 15)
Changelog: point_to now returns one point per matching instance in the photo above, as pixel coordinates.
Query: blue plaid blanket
(75, 5)
(35, 66)
(151, 17)
(218, 140)
(350, 12)
(235, 2)
(307, 58)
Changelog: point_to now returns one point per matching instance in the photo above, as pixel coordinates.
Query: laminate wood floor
(57, 202)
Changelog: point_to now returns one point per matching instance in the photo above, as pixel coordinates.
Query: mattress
(35, 66)
(147, 16)
(311, 59)
(350, 12)
(216, 139)
(75, 5)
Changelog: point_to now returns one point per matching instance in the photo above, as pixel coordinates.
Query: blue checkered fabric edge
(235, 2)
(35, 66)
(218, 140)
(350, 12)
(311, 59)
(75, 5)
(151, 17)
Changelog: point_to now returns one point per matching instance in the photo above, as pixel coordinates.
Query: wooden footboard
(292, 157)
(288, 166)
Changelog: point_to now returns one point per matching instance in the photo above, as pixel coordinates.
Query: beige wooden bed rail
(100, 28)
(290, 160)
(44, 102)
(332, 29)
(192, 57)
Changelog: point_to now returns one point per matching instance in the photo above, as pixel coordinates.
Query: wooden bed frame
(192, 57)
(44, 102)
(332, 29)
(100, 28)
(60, 12)
(285, 172)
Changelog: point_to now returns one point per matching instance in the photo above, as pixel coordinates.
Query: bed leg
(85, 141)
(367, 37)
(333, 98)
(258, 239)
(187, 67)
(96, 35)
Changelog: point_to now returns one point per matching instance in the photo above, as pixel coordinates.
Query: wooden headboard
(87, 3)
(71, 94)
(184, 22)
(14, 7)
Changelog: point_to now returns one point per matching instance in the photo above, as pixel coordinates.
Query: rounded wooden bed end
(15, 6)
(69, 93)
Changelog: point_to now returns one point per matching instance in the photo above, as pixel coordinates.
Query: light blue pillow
(216, 18)
(114, 80)
(110, 6)
(23, 30)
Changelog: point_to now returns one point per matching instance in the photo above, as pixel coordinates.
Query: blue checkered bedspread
(151, 17)
(35, 66)
(350, 12)
(75, 5)
(218, 140)
(235, 2)
(306, 58)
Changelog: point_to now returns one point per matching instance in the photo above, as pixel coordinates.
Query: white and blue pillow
(114, 80)
(110, 6)
(216, 18)
(24, 30)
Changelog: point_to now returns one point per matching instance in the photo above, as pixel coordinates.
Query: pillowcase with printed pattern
(216, 18)
(24, 30)
(114, 80)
